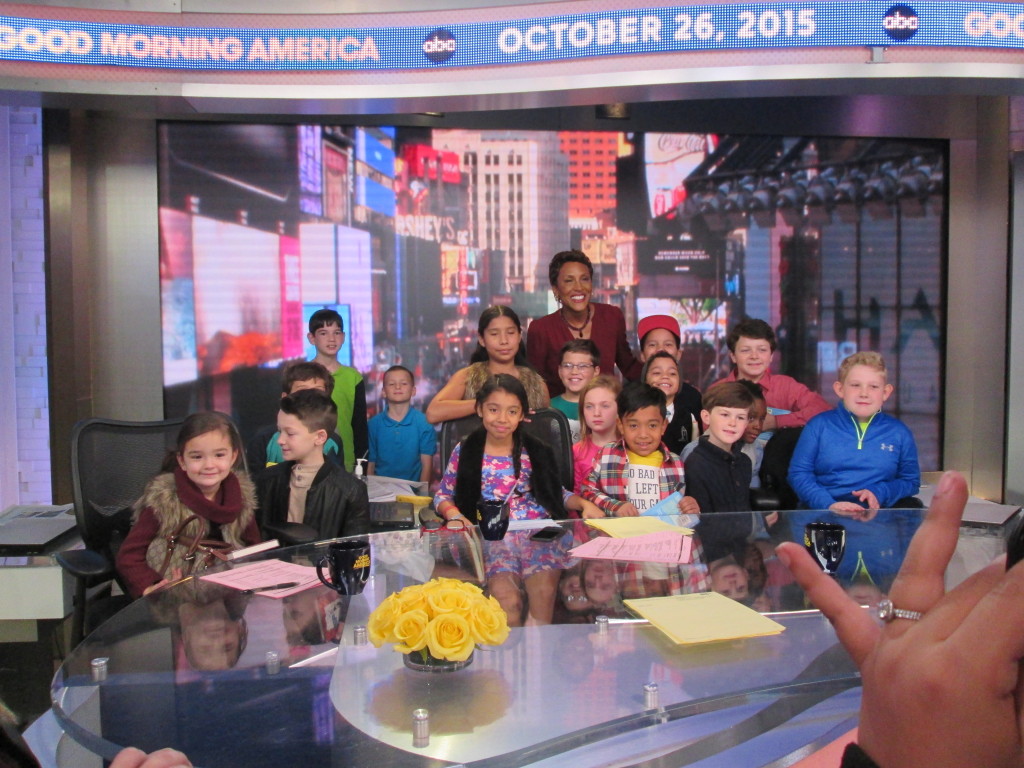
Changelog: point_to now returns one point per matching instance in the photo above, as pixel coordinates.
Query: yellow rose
(448, 600)
(488, 622)
(434, 585)
(449, 637)
(443, 582)
(468, 588)
(380, 627)
(412, 598)
(411, 631)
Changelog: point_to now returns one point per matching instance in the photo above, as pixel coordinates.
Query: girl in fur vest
(501, 461)
(202, 477)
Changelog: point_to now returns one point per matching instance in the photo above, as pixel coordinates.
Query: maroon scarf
(224, 508)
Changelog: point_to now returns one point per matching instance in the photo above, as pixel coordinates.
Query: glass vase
(422, 661)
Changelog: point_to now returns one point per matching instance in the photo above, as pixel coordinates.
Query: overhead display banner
(520, 41)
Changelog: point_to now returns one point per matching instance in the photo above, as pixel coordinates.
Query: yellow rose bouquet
(440, 621)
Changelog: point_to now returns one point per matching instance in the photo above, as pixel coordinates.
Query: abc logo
(900, 22)
(439, 46)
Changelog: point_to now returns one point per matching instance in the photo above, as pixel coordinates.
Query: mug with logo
(493, 515)
(348, 563)
(827, 544)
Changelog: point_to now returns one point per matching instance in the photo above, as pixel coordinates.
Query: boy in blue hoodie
(854, 459)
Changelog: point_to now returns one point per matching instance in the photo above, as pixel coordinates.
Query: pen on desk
(271, 587)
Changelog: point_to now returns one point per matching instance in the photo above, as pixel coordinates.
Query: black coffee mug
(827, 544)
(493, 517)
(349, 566)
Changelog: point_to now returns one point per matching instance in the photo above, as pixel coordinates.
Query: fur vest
(544, 483)
(536, 390)
(161, 495)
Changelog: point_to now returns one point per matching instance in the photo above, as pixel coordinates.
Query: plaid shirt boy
(607, 485)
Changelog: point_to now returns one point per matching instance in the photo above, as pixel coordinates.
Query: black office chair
(551, 427)
(775, 466)
(111, 462)
(453, 432)
(546, 424)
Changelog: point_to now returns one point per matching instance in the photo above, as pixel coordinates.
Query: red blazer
(547, 335)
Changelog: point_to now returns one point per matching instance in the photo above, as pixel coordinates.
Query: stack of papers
(382, 488)
(703, 618)
(624, 527)
(267, 573)
(661, 547)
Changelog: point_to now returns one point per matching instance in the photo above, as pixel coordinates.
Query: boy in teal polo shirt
(580, 362)
(402, 442)
(327, 334)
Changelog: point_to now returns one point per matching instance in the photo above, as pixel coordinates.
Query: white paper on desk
(381, 488)
(659, 547)
(530, 525)
(266, 573)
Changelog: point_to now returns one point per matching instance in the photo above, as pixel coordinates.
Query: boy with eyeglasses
(580, 361)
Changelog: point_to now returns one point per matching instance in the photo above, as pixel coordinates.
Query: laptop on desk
(33, 528)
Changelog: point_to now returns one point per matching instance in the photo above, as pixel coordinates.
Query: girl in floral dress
(499, 462)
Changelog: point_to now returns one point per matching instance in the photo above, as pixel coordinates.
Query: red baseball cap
(654, 322)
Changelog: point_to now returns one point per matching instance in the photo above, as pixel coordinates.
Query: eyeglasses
(433, 526)
(570, 367)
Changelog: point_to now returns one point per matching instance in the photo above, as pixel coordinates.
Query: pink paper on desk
(657, 547)
(266, 573)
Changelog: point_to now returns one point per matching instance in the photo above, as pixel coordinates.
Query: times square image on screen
(411, 232)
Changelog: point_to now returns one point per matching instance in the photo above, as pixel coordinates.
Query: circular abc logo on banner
(439, 46)
(900, 22)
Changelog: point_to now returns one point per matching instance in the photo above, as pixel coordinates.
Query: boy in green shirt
(327, 334)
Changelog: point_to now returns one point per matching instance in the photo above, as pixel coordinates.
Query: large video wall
(411, 232)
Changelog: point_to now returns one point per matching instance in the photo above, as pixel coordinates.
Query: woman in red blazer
(572, 276)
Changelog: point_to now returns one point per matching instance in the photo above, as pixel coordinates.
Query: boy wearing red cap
(660, 333)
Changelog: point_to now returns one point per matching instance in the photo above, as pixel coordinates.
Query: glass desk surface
(187, 667)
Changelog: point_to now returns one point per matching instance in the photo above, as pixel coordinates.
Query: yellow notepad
(624, 527)
(703, 618)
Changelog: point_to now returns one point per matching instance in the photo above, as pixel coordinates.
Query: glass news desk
(188, 667)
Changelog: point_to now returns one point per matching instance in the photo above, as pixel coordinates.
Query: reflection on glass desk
(188, 667)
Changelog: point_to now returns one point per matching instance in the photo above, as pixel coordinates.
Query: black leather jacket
(336, 503)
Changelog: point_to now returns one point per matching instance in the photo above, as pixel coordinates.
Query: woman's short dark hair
(562, 258)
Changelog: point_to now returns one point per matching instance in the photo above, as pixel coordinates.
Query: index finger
(856, 630)
(921, 580)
